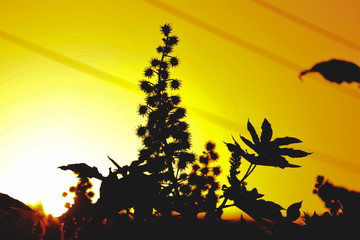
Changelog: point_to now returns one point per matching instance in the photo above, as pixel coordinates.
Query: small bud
(164, 74)
(146, 86)
(216, 171)
(142, 110)
(141, 131)
(210, 146)
(175, 84)
(173, 40)
(154, 62)
(148, 72)
(174, 61)
(166, 29)
(175, 100)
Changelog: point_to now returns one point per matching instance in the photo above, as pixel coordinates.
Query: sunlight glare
(34, 177)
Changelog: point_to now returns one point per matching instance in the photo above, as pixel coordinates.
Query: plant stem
(223, 203)
(248, 172)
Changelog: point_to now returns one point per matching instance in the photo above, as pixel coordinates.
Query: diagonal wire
(57, 57)
(308, 25)
(245, 44)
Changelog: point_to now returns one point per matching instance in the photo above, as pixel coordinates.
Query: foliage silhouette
(342, 219)
(338, 200)
(337, 71)
(200, 186)
(76, 219)
(19, 221)
(8, 204)
(165, 136)
(268, 153)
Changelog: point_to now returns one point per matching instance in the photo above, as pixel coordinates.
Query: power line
(245, 44)
(308, 25)
(57, 57)
(225, 35)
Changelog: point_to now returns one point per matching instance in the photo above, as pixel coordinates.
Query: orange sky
(68, 71)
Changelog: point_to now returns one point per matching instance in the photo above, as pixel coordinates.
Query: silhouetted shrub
(75, 222)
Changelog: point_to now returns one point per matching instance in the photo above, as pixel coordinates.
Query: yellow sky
(68, 70)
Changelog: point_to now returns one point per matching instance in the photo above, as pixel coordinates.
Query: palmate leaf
(267, 132)
(285, 141)
(294, 153)
(253, 133)
(268, 153)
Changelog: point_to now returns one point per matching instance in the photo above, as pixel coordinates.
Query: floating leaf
(267, 132)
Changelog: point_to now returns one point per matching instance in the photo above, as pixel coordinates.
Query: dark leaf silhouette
(259, 209)
(266, 133)
(83, 170)
(293, 211)
(252, 132)
(8, 204)
(294, 153)
(268, 152)
(336, 70)
(286, 141)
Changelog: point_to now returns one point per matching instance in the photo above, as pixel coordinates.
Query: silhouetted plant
(168, 178)
(267, 153)
(338, 200)
(341, 221)
(79, 214)
(165, 136)
(200, 186)
(10, 204)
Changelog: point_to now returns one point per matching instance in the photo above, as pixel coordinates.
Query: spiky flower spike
(165, 136)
